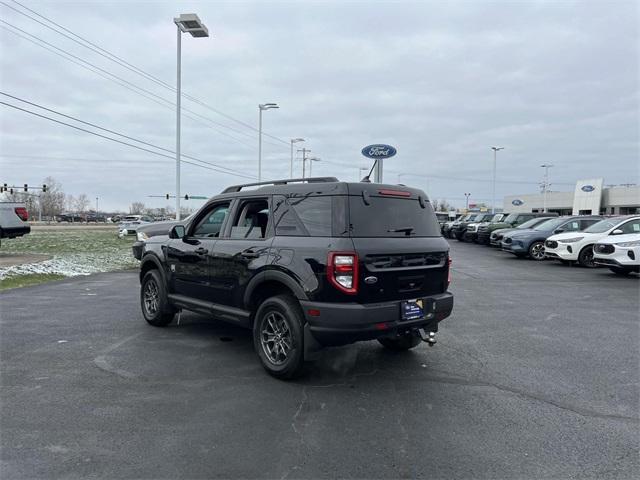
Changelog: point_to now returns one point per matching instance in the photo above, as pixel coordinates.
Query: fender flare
(273, 276)
(153, 258)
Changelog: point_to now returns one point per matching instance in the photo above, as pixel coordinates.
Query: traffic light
(11, 191)
(44, 188)
(186, 197)
(5, 187)
(167, 196)
(26, 187)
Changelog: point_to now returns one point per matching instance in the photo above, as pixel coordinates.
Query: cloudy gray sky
(552, 82)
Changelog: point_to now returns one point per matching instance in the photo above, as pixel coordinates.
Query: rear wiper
(407, 230)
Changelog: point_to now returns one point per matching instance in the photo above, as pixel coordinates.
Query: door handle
(201, 251)
(249, 254)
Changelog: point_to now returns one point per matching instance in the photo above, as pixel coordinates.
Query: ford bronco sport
(305, 263)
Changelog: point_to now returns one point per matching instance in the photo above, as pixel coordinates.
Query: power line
(116, 133)
(120, 61)
(121, 142)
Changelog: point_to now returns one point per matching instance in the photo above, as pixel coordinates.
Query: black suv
(305, 263)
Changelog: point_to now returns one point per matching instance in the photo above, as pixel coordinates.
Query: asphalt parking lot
(534, 376)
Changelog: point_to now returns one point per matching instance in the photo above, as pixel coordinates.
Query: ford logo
(379, 151)
(517, 202)
(588, 188)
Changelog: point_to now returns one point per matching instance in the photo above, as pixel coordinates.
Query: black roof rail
(237, 188)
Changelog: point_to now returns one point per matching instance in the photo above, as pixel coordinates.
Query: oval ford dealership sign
(379, 151)
(588, 188)
(517, 202)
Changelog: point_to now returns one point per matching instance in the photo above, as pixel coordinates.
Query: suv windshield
(550, 224)
(512, 217)
(603, 225)
(391, 217)
(497, 217)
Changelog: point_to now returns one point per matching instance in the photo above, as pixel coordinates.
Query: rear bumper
(13, 232)
(342, 323)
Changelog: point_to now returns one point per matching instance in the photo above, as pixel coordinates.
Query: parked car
(131, 223)
(530, 242)
(495, 240)
(471, 234)
(305, 264)
(14, 220)
(512, 220)
(155, 229)
(448, 226)
(460, 229)
(69, 217)
(620, 250)
(570, 247)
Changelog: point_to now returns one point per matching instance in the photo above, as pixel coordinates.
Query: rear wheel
(585, 258)
(278, 336)
(620, 271)
(401, 342)
(536, 251)
(153, 300)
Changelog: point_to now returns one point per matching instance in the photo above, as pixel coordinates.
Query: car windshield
(512, 217)
(550, 224)
(497, 217)
(529, 223)
(603, 225)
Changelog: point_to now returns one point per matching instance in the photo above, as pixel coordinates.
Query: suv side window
(572, 226)
(211, 224)
(305, 216)
(632, 226)
(587, 223)
(251, 220)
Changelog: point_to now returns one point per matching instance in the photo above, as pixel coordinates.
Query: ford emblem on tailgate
(379, 151)
(588, 188)
(371, 280)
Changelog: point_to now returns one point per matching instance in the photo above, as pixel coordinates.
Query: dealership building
(589, 197)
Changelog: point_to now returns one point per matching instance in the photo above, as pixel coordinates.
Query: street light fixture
(261, 108)
(186, 23)
(495, 153)
(293, 140)
(467, 201)
(311, 160)
(545, 185)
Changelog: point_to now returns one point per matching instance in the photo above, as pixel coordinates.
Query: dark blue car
(530, 242)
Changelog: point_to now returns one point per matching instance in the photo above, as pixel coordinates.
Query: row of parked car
(588, 240)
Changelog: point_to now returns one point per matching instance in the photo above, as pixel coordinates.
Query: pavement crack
(102, 363)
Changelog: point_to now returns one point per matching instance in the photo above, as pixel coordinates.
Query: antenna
(367, 179)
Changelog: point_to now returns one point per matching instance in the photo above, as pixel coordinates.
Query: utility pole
(96, 204)
(495, 153)
(261, 108)
(467, 195)
(545, 185)
(293, 140)
(304, 160)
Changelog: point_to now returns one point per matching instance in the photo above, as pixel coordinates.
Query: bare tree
(82, 202)
(53, 199)
(442, 205)
(70, 202)
(136, 208)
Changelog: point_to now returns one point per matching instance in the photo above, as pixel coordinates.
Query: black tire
(153, 300)
(400, 343)
(585, 259)
(536, 251)
(278, 336)
(620, 271)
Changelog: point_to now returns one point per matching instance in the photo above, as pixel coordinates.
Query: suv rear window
(385, 216)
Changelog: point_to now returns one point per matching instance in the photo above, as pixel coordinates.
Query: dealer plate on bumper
(416, 309)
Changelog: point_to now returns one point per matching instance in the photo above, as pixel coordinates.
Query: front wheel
(278, 337)
(536, 251)
(585, 259)
(401, 342)
(153, 300)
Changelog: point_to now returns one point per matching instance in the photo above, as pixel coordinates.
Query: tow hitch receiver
(430, 337)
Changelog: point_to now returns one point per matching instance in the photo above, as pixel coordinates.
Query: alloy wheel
(275, 338)
(151, 297)
(537, 251)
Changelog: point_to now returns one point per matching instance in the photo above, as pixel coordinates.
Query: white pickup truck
(13, 220)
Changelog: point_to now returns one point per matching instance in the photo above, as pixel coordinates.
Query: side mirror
(177, 231)
(558, 230)
(617, 231)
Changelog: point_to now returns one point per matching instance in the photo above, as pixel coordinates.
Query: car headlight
(635, 243)
(570, 240)
(142, 237)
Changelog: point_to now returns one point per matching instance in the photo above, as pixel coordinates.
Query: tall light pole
(96, 204)
(495, 153)
(311, 160)
(293, 140)
(261, 108)
(186, 22)
(467, 195)
(304, 159)
(545, 185)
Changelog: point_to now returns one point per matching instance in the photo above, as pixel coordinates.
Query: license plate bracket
(415, 309)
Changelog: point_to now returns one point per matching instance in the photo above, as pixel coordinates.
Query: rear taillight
(449, 273)
(22, 213)
(342, 271)
(394, 193)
